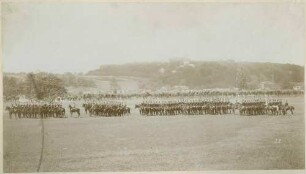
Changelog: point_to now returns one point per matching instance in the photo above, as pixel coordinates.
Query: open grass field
(138, 143)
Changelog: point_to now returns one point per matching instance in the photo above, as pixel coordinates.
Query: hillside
(144, 76)
(196, 74)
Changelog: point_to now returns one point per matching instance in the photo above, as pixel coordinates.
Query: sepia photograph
(153, 86)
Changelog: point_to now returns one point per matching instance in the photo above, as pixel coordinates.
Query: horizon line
(149, 62)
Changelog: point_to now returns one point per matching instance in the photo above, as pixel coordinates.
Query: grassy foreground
(138, 143)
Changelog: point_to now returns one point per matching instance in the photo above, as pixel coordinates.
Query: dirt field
(138, 143)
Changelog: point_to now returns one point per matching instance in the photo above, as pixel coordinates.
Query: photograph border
(149, 1)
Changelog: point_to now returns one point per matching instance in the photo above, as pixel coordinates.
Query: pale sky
(77, 37)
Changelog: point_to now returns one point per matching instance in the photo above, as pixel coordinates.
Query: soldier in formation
(265, 107)
(185, 93)
(107, 109)
(272, 102)
(216, 106)
(36, 110)
(253, 107)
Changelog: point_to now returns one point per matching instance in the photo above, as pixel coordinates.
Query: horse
(73, 110)
(291, 108)
(274, 109)
(86, 107)
(242, 110)
(60, 113)
(137, 106)
(127, 110)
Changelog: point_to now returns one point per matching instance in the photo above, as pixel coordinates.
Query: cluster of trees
(12, 87)
(40, 86)
(213, 74)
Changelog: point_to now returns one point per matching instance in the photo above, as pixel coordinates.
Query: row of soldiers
(253, 107)
(262, 101)
(185, 108)
(217, 106)
(170, 94)
(229, 93)
(106, 109)
(264, 107)
(36, 110)
(199, 106)
(109, 96)
(185, 93)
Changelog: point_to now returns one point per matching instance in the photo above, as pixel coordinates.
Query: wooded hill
(212, 74)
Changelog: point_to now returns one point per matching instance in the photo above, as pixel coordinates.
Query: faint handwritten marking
(277, 140)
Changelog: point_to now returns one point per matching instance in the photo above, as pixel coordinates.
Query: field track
(139, 143)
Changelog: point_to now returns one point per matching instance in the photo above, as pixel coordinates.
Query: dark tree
(11, 87)
(44, 85)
